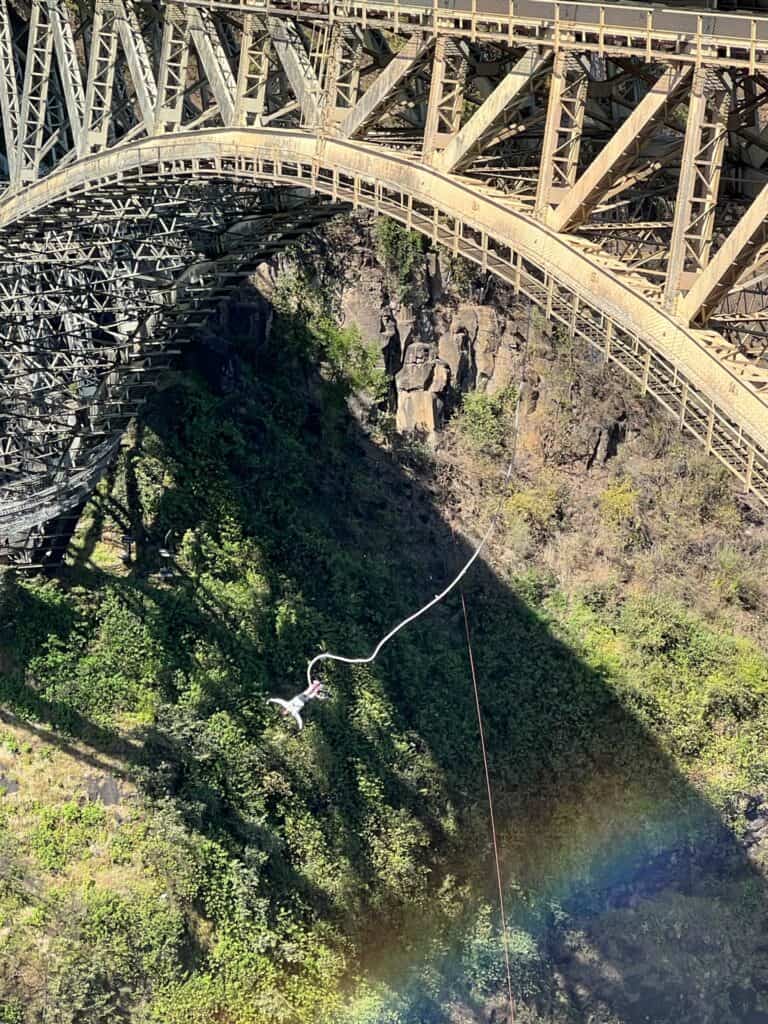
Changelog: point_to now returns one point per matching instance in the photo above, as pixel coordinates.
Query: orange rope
(504, 932)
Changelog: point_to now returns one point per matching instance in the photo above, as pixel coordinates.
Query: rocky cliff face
(435, 351)
(441, 342)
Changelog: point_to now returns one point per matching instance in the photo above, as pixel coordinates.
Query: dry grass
(658, 516)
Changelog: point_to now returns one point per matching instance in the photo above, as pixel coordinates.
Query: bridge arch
(675, 364)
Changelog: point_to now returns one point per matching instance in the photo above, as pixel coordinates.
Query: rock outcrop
(477, 350)
(432, 349)
(361, 306)
(486, 346)
(506, 364)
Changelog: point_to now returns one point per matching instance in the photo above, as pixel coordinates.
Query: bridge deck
(738, 39)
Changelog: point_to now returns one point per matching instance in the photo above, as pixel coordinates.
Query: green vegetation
(542, 508)
(461, 272)
(487, 421)
(704, 693)
(249, 874)
(352, 364)
(398, 249)
(619, 503)
(739, 580)
(64, 832)
(307, 325)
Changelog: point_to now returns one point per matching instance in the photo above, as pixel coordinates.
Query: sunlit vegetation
(486, 422)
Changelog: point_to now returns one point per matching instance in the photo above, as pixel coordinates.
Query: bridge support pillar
(343, 82)
(446, 94)
(101, 80)
(172, 79)
(253, 74)
(559, 164)
(706, 134)
(34, 97)
(612, 165)
(9, 91)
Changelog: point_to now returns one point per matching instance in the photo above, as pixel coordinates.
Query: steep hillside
(171, 850)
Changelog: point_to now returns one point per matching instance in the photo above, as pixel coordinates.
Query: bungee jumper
(292, 708)
(314, 690)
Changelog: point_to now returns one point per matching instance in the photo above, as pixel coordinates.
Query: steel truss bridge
(609, 161)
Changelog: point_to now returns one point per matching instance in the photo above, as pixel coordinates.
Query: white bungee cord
(327, 656)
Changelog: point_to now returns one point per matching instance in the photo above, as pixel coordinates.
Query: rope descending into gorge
(366, 660)
(496, 858)
(327, 656)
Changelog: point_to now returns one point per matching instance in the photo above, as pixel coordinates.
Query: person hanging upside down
(292, 708)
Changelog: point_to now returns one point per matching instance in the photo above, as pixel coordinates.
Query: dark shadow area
(594, 819)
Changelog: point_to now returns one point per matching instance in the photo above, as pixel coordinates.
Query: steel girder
(253, 73)
(703, 153)
(34, 96)
(383, 91)
(501, 106)
(446, 94)
(172, 78)
(563, 130)
(85, 337)
(343, 77)
(9, 93)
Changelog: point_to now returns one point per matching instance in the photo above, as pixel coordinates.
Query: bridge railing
(651, 372)
(654, 375)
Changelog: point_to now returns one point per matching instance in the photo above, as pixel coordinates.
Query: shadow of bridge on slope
(598, 827)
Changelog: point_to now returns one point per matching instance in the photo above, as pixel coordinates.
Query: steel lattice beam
(34, 97)
(214, 61)
(500, 105)
(109, 383)
(733, 259)
(298, 68)
(379, 94)
(9, 93)
(621, 151)
(68, 67)
(562, 131)
(172, 78)
(343, 84)
(446, 94)
(139, 62)
(698, 191)
(253, 73)
(97, 117)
